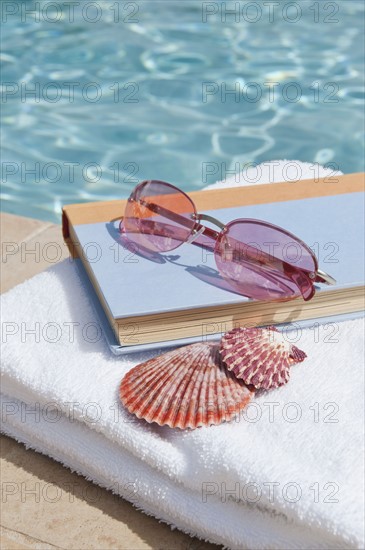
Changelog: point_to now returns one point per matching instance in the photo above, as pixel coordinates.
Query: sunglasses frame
(200, 230)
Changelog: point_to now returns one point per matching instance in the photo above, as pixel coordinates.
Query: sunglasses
(258, 259)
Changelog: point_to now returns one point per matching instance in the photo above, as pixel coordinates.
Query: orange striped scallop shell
(184, 388)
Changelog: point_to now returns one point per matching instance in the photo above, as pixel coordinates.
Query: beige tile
(24, 259)
(18, 228)
(12, 540)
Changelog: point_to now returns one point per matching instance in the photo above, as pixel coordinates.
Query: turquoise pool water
(97, 96)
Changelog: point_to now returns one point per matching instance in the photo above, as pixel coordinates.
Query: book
(178, 297)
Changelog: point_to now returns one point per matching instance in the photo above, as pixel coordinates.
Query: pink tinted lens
(265, 262)
(158, 216)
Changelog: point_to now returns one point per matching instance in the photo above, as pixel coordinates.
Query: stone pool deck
(84, 516)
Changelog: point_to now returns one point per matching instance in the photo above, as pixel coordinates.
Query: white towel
(287, 474)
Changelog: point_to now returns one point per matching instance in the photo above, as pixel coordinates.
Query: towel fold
(287, 473)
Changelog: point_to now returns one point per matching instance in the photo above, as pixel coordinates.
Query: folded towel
(99, 459)
(286, 474)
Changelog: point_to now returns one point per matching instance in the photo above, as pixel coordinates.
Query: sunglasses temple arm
(323, 277)
(158, 209)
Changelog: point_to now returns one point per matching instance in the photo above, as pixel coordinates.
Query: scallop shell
(184, 388)
(259, 356)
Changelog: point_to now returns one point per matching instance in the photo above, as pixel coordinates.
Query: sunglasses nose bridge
(211, 219)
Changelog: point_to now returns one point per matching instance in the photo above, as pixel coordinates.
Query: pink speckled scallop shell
(259, 356)
(184, 388)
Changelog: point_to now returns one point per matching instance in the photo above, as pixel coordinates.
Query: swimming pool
(97, 96)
